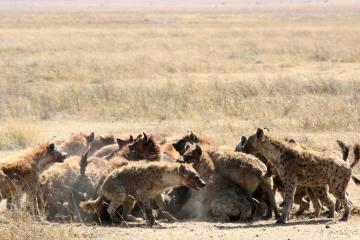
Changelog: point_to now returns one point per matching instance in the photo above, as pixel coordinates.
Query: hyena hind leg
(290, 189)
(323, 196)
(341, 196)
(128, 206)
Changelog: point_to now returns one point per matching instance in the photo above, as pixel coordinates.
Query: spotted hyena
(21, 174)
(301, 191)
(144, 182)
(221, 199)
(297, 166)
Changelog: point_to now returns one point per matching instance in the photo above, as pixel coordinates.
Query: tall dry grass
(284, 68)
(15, 135)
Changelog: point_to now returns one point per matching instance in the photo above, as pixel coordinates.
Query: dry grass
(15, 134)
(285, 70)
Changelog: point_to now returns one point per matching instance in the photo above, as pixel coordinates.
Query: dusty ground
(304, 228)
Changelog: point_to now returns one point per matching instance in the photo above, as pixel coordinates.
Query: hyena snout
(63, 156)
(190, 177)
(201, 183)
(195, 183)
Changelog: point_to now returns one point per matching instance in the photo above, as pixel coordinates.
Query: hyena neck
(205, 166)
(171, 178)
(271, 150)
(37, 160)
(134, 155)
(43, 165)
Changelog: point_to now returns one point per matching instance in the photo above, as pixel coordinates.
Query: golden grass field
(221, 71)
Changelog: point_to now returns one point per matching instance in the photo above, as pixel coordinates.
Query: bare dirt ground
(301, 228)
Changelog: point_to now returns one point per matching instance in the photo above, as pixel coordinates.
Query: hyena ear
(145, 137)
(198, 150)
(120, 142)
(243, 141)
(259, 133)
(51, 147)
(138, 137)
(90, 137)
(131, 139)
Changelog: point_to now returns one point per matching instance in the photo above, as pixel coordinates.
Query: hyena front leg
(290, 189)
(339, 192)
(34, 201)
(266, 186)
(148, 211)
(162, 208)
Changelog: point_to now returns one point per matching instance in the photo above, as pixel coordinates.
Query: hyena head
(190, 137)
(255, 142)
(241, 144)
(193, 156)
(190, 177)
(170, 153)
(122, 143)
(146, 147)
(51, 154)
(90, 137)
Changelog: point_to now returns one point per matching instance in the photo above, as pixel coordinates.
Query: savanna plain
(222, 71)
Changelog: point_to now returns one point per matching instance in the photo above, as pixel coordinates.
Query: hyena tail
(356, 155)
(83, 163)
(92, 206)
(345, 149)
